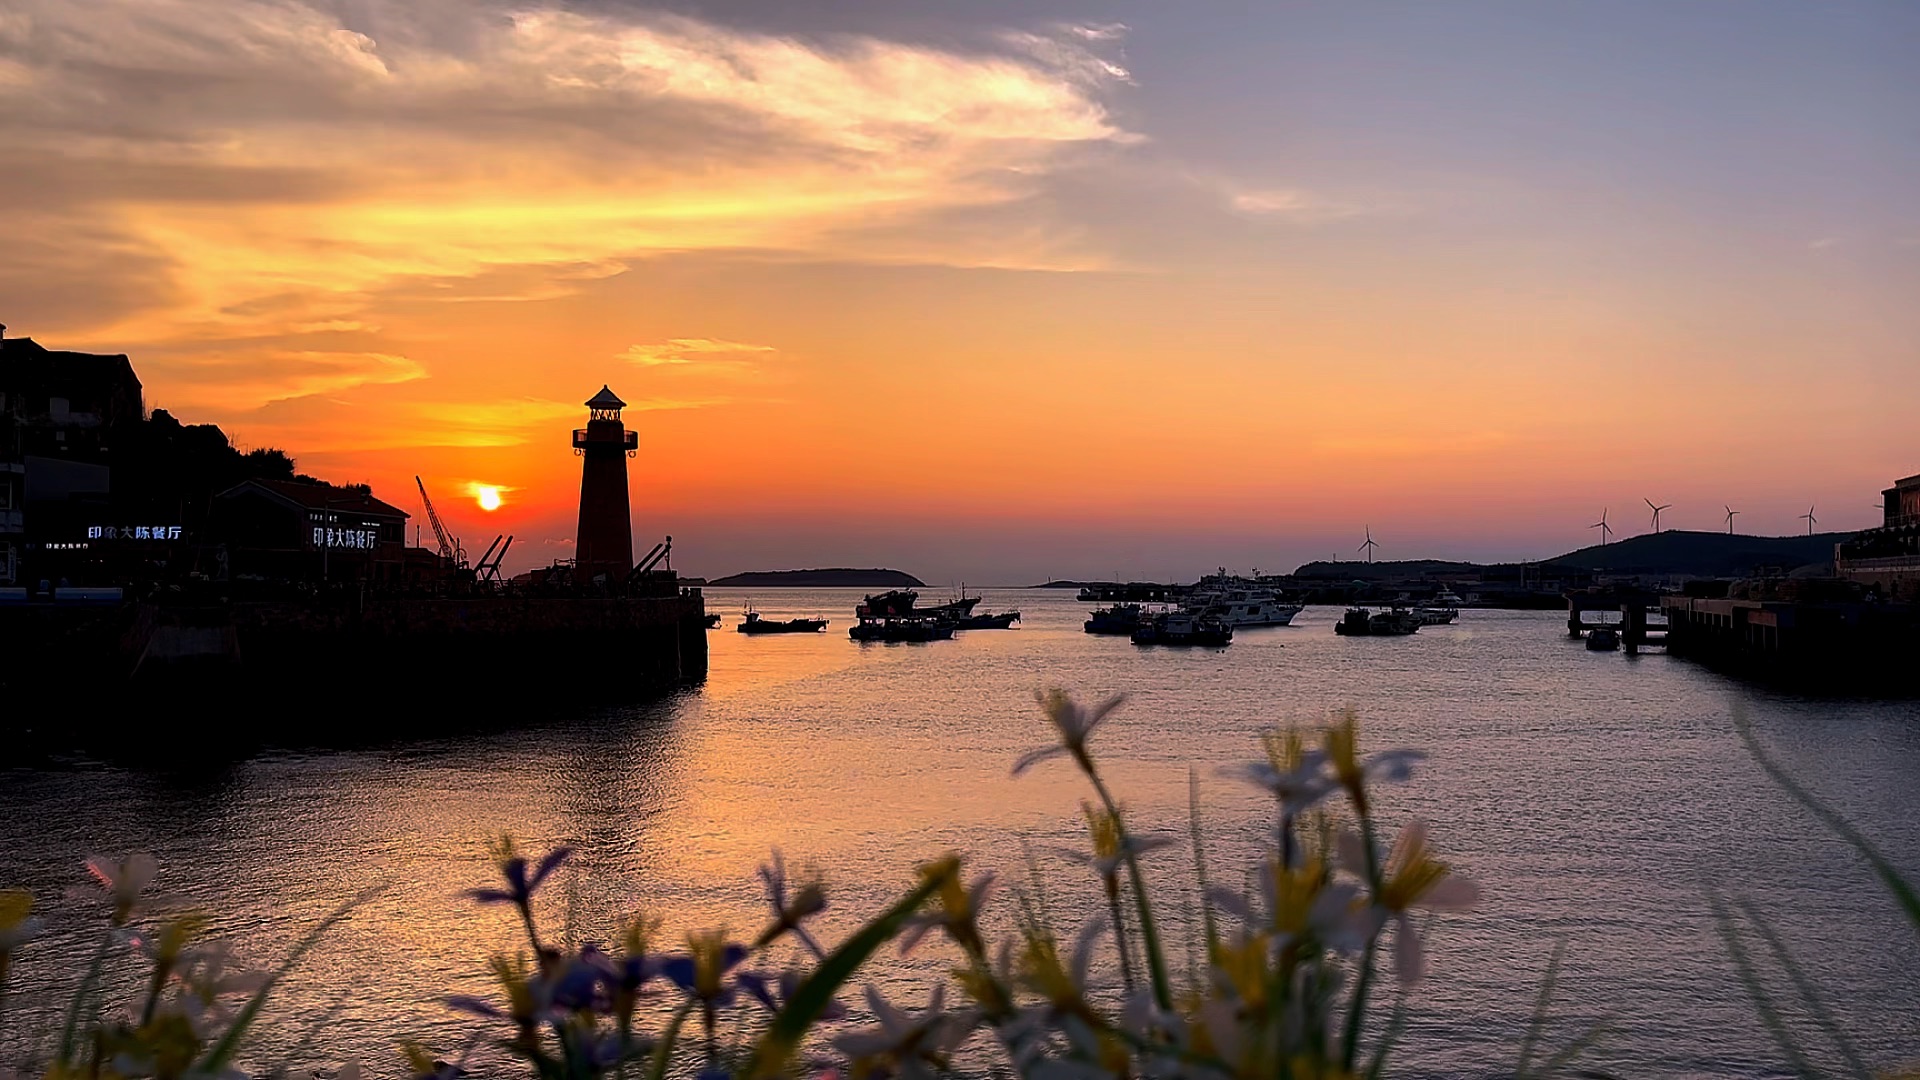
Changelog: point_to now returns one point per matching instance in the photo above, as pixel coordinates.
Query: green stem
(80, 996)
(1149, 937)
(1357, 1011)
(1120, 932)
(663, 1053)
(1364, 982)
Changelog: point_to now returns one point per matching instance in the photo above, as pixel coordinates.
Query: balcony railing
(629, 440)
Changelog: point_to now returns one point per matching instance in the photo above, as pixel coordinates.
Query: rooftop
(322, 497)
(605, 399)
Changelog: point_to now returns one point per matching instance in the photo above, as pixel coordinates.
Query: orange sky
(991, 293)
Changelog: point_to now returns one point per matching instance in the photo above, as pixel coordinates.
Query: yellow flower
(1242, 967)
(1294, 892)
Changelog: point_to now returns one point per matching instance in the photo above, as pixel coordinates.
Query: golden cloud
(290, 166)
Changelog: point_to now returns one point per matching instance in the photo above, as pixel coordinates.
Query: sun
(487, 495)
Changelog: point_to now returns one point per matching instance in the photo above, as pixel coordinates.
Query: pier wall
(1839, 645)
(353, 647)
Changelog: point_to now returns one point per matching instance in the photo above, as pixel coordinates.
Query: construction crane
(449, 543)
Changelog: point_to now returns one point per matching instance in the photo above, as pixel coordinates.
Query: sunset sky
(1000, 291)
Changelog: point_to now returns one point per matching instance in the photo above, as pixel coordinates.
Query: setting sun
(487, 496)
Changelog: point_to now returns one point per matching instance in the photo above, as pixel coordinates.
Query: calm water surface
(1595, 797)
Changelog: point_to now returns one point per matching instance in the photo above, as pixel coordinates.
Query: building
(1887, 559)
(295, 530)
(61, 415)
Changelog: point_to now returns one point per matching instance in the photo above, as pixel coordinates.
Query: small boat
(1360, 622)
(713, 621)
(1433, 615)
(900, 630)
(1002, 621)
(757, 625)
(1118, 619)
(1183, 628)
(1602, 639)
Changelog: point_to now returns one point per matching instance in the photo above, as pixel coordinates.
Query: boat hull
(900, 631)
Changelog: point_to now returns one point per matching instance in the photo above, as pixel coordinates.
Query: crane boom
(449, 544)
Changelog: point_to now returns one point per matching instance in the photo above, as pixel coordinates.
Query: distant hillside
(1398, 570)
(1702, 554)
(835, 578)
(1673, 553)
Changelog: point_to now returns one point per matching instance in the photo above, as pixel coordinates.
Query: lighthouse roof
(605, 399)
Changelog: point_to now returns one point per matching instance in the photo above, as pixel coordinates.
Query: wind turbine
(1730, 512)
(1606, 530)
(1369, 545)
(1810, 519)
(1656, 513)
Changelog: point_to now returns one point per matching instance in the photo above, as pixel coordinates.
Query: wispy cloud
(1292, 204)
(255, 378)
(705, 352)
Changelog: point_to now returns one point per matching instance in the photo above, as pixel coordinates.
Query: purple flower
(702, 970)
(520, 884)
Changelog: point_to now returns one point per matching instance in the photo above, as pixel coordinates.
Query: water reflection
(1592, 795)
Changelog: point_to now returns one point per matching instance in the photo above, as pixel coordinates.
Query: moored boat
(1183, 628)
(1431, 615)
(1118, 619)
(900, 630)
(1602, 639)
(754, 624)
(1362, 622)
(1002, 621)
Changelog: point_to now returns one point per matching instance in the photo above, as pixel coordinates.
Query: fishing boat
(1002, 621)
(1602, 639)
(1433, 615)
(1361, 622)
(754, 624)
(1118, 619)
(900, 630)
(1183, 628)
(902, 604)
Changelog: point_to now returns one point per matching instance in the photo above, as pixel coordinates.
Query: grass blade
(222, 1051)
(1211, 928)
(791, 1024)
(1903, 892)
(1539, 1021)
(1809, 996)
(1762, 1001)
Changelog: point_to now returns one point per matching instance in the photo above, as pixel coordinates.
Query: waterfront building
(61, 413)
(308, 531)
(1887, 559)
(603, 544)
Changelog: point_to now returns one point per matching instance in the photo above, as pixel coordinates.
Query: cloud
(256, 378)
(1291, 204)
(288, 163)
(706, 352)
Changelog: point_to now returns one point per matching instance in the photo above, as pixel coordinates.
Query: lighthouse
(603, 546)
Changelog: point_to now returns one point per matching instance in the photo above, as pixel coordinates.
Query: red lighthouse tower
(604, 544)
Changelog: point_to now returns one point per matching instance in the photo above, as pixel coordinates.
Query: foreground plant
(186, 1014)
(1286, 988)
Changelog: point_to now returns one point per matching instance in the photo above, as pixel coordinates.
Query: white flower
(126, 880)
(913, 1045)
(1411, 879)
(1106, 864)
(1073, 723)
(1297, 789)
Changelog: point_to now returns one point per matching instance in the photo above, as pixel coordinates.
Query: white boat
(1244, 607)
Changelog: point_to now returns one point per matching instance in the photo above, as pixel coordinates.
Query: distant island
(1670, 552)
(836, 578)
